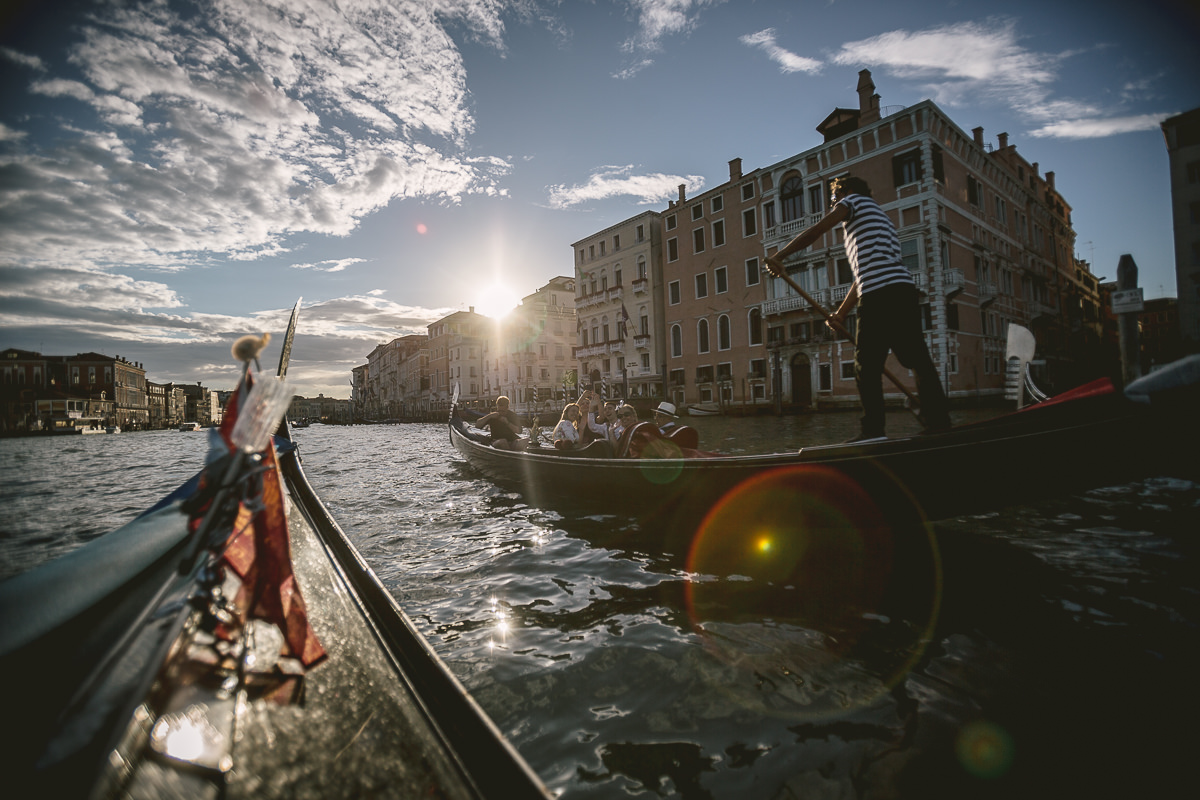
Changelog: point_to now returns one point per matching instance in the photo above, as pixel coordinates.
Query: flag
(623, 320)
(259, 551)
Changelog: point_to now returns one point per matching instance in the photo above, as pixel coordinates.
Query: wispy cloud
(973, 62)
(787, 60)
(22, 59)
(1099, 128)
(656, 20)
(608, 182)
(333, 265)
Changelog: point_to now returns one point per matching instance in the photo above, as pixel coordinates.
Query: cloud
(333, 265)
(64, 311)
(609, 182)
(657, 19)
(1100, 127)
(956, 58)
(232, 130)
(633, 69)
(985, 62)
(22, 59)
(787, 60)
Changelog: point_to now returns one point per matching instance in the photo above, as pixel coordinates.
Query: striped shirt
(872, 245)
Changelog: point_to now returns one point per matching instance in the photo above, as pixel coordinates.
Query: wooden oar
(837, 325)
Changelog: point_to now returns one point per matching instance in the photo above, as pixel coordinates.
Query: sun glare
(496, 300)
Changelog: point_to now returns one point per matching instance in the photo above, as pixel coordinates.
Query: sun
(496, 300)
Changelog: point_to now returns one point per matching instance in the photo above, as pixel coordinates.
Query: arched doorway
(801, 369)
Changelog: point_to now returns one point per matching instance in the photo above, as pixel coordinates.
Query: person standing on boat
(889, 317)
(665, 416)
(505, 426)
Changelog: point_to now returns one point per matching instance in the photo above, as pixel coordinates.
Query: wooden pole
(840, 328)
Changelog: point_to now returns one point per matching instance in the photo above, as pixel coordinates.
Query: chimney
(1034, 167)
(1003, 139)
(472, 309)
(866, 87)
(1050, 179)
(682, 192)
(735, 169)
(978, 133)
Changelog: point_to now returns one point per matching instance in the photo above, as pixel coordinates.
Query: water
(1050, 652)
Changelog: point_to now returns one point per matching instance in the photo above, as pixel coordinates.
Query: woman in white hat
(665, 416)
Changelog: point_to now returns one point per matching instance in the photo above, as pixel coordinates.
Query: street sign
(1126, 301)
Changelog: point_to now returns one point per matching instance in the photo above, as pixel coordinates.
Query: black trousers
(889, 319)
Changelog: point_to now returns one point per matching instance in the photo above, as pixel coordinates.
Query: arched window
(702, 336)
(641, 267)
(676, 342)
(756, 336)
(724, 334)
(792, 197)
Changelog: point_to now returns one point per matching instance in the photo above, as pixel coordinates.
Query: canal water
(1046, 650)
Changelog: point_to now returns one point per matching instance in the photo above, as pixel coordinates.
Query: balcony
(791, 227)
(641, 341)
(987, 293)
(953, 282)
(590, 351)
(640, 285)
(782, 305)
(589, 300)
(614, 293)
(616, 347)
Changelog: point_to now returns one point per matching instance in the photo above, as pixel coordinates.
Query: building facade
(987, 237)
(714, 291)
(1182, 133)
(456, 344)
(529, 358)
(619, 305)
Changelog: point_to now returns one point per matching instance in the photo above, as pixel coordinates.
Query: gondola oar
(837, 325)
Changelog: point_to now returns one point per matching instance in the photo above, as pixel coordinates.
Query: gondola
(137, 667)
(1091, 436)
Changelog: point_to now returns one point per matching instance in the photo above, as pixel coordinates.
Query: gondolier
(888, 315)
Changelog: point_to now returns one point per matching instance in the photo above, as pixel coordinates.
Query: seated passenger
(665, 416)
(626, 419)
(505, 426)
(566, 433)
(589, 429)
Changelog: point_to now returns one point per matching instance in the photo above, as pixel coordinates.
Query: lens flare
(819, 581)
(984, 749)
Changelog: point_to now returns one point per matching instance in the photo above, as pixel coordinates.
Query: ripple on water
(592, 658)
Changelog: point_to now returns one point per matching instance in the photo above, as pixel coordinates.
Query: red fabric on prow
(260, 552)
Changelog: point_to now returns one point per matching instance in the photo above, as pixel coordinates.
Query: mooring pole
(1127, 304)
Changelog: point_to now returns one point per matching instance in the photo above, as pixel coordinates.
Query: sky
(175, 174)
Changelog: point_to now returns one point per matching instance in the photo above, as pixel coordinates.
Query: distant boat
(76, 425)
(704, 409)
(189, 426)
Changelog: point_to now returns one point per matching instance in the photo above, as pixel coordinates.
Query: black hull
(381, 716)
(1014, 459)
